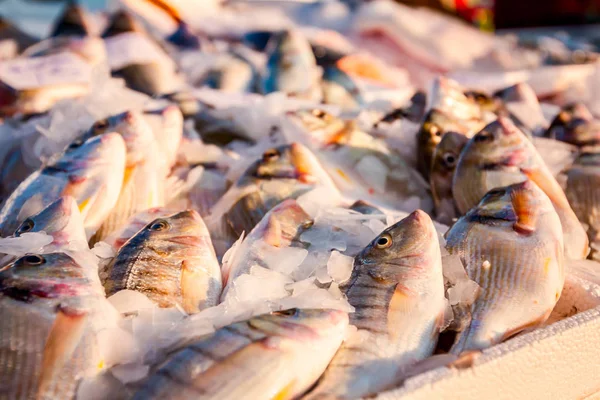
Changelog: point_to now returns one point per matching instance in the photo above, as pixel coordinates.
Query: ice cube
(464, 292)
(104, 250)
(128, 301)
(340, 266)
(130, 373)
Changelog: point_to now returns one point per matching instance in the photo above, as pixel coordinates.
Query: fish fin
(285, 392)
(400, 304)
(549, 185)
(525, 211)
(190, 288)
(527, 326)
(63, 339)
(175, 186)
(466, 359)
(432, 362)
(272, 234)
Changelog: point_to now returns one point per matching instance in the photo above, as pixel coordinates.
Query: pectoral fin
(63, 339)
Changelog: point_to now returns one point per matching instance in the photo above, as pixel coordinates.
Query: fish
(576, 125)
(122, 21)
(414, 112)
(500, 155)
(61, 220)
(434, 127)
(47, 341)
(340, 89)
(291, 67)
(397, 290)
(167, 127)
(184, 38)
(231, 73)
(90, 171)
(280, 227)
(582, 193)
(449, 97)
(172, 261)
(142, 185)
(272, 356)
(73, 21)
(366, 208)
(282, 172)
(445, 158)
(134, 224)
(9, 31)
(511, 245)
(521, 102)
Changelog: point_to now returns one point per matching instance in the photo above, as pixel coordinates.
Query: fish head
(323, 126)
(435, 125)
(46, 276)
(580, 132)
(483, 100)
(74, 21)
(122, 21)
(61, 220)
(446, 154)
(134, 129)
(185, 228)
(403, 249)
(499, 143)
(284, 223)
(88, 153)
(302, 324)
(293, 161)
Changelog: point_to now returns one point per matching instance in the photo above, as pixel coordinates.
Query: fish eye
(34, 260)
(484, 136)
(100, 125)
(26, 226)
(308, 224)
(75, 144)
(449, 159)
(384, 241)
(286, 313)
(434, 130)
(318, 113)
(159, 225)
(270, 155)
(563, 117)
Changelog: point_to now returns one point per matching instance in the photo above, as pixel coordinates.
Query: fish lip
(508, 128)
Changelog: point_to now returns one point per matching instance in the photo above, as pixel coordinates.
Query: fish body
(435, 125)
(280, 227)
(47, 340)
(282, 172)
(522, 103)
(90, 171)
(134, 224)
(511, 245)
(576, 125)
(272, 356)
(397, 290)
(445, 158)
(291, 67)
(61, 220)
(144, 173)
(501, 155)
(167, 127)
(340, 89)
(172, 261)
(584, 195)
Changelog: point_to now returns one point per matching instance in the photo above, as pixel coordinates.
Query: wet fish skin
(144, 169)
(282, 172)
(576, 125)
(61, 220)
(172, 261)
(511, 244)
(91, 171)
(271, 356)
(435, 125)
(500, 155)
(47, 340)
(340, 89)
(445, 158)
(291, 66)
(397, 290)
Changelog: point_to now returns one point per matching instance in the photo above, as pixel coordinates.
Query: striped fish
(443, 165)
(47, 341)
(272, 356)
(172, 261)
(90, 171)
(583, 193)
(511, 244)
(500, 155)
(143, 180)
(397, 290)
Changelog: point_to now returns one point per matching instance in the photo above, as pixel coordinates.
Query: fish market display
(285, 199)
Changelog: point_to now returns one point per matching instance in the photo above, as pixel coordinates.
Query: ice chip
(30, 242)
(453, 269)
(464, 292)
(103, 250)
(130, 373)
(339, 266)
(284, 260)
(128, 301)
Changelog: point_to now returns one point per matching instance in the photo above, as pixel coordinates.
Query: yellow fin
(64, 337)
(526, 210)
(399, 305)
(191, 288)
(285, 392)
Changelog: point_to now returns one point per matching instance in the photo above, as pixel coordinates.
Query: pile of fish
(280, 199)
